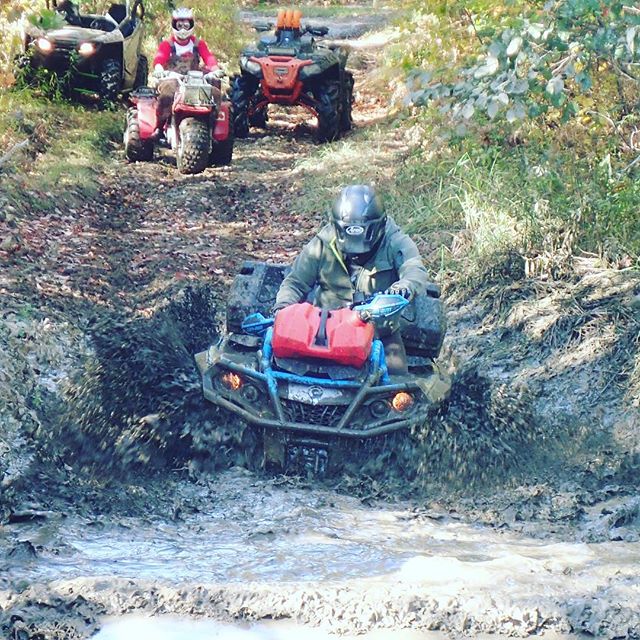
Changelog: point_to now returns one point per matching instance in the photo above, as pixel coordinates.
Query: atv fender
(250, 65)
(223, 122)
(147, 117)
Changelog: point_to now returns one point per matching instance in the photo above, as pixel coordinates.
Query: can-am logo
(355, 230)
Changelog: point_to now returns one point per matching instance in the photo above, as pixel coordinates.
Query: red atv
(198, 130)
(291, 68)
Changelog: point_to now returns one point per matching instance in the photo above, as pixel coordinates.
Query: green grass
(69, 145)
(481, 209)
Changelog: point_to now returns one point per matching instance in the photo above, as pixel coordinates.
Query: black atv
(314, 384)
(290, 68)
(97, 56)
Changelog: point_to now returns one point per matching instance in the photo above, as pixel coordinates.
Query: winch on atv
(290, 68)
(311, 380)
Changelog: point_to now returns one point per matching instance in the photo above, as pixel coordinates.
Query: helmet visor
(358, 238)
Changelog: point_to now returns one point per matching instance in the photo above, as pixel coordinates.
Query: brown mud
(515, 511)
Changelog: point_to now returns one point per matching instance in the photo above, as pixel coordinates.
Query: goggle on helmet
(182, 23)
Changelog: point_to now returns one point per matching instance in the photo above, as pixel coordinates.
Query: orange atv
(290, 68)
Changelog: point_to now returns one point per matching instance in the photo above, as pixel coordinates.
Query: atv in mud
(96, 56)
(290, 68)
(198, 131)
(315, 384)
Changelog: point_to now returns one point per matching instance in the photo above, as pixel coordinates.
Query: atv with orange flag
(291, 68)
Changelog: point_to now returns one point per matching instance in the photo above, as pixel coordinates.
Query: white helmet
(182, 23)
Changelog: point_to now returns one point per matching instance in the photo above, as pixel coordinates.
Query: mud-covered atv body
(199, 130)
(316, 391)
(291, 68)
(97, 56)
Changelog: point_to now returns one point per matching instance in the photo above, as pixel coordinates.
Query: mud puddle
(287, 551)
(176, 629)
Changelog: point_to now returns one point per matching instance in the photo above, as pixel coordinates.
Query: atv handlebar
(263, 26)
(216, 74)
(319, 32)
(376, 308)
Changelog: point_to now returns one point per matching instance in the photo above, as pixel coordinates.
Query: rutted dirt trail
(78, 551)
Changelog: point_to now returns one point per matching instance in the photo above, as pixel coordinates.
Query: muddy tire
(328, 98)
(259, 118)
(136, 149)
(194, 146)
(242, 91)
(346, 121)
(142, 73)
(222, 152)
(252, 446)
(109, 82)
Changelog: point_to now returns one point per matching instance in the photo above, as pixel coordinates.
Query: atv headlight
(87, 49)
(402, 401)
(309, 70)
(46, 46)
(232, 381)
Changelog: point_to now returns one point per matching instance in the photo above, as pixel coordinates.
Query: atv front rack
(377, 385)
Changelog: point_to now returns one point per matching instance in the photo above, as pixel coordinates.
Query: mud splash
(137, 402)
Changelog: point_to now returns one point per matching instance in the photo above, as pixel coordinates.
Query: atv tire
(142, 73)
(136, 149)
(109, 82)
(259, 118)
(242, 91)
(328, 98)
(194, 146)
(346, 122)
(222, 152)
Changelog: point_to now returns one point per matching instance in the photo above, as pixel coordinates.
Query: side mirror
(432, 290)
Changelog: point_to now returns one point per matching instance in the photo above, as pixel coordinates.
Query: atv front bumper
(308, 407)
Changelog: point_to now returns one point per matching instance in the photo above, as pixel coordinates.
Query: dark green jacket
(321, 265)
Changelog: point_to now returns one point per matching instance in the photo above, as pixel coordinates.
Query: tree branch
(469, 17)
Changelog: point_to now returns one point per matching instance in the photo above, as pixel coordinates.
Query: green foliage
(538, 63)
(44, 82)
(46, 19)
(532, 206)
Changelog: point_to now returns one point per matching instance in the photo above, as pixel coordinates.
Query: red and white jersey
(174, 56)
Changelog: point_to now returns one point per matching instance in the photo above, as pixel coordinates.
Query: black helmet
(359, 219)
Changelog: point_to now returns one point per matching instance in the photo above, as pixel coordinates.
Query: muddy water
(250, 531)
(174, 629)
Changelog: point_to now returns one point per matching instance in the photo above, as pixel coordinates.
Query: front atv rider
(360, 252)
(183, 52)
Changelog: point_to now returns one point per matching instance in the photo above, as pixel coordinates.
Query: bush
(529, 148)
